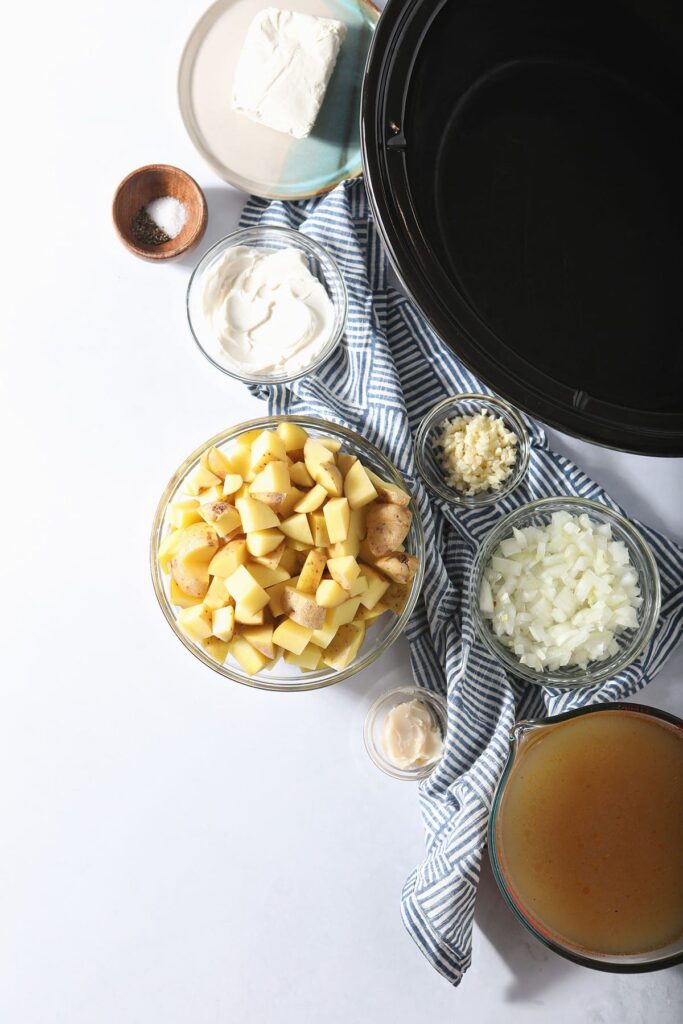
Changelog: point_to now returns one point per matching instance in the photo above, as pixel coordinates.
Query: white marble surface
(175, 849)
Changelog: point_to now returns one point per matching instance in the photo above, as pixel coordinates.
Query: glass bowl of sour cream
(267, 305)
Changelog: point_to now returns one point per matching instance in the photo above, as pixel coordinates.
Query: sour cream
(411, 738)
(266, 311)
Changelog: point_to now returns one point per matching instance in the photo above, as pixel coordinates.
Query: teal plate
(259, 160)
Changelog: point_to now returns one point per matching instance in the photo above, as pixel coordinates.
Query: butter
(284, 69)
(411, 738)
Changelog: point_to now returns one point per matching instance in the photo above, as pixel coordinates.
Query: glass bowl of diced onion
(565, 592)
(433, 461)
(381, 631)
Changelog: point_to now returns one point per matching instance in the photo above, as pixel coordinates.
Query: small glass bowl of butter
(267, 305)
(405, 731)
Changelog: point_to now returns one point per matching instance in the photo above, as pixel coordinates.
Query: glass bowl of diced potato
(287, 553)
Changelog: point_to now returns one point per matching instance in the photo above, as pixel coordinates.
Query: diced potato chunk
(330, 443)
(272, 558)
(345, 645)
(273, 477)
(268, 447)
(389, 493)
(232, 484)
(396, 597)
(261, 542)
(216, 649)
(291, 498)
(343, 613)
(223, 623)
(291, 636)
(388, 527)
(345, 460)
(293, 436)
(358, 487)
(344, 570)
(255, 515)
(260, 637)
(216, 462)
(276, 595)
(199, 478)
(329, 477)
(312, 500)
(245, 591)
(316, 455)
(217, 595)
(179, 598)
(195, 622)
(302, 608)
(323, 636)
(190, 576)
(210, 494)
(240, 457)
(271, 485)
(368, 615)
(329, 594)
(297, 528)
(251, 660)
(312, 570)
(168, 549)
(399, 566)
(198, 541)
(184, 513)
(337, 518)
(266, 576)
(189, 566)
(229, 558)
(358, 586)
(299, 475)
(318, 526)
(223, 516)
(377, 587)
(289, 560)
(309, 658)
(248, 618)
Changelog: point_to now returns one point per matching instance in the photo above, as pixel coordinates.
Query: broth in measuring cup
(589, 832)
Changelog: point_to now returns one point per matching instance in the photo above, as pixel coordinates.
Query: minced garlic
(477, 453)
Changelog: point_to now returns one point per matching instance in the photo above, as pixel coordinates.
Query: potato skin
(396, 597)
(398, 566)
(302, 608)
(387, 527)
(274, 499)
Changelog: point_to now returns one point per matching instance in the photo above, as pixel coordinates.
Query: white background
(174, 849)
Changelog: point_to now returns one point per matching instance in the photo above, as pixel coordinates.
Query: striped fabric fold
(391, 369)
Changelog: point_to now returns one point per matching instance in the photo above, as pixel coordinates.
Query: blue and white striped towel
(390, 371)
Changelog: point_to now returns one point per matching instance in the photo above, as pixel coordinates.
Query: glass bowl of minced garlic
(472, 450)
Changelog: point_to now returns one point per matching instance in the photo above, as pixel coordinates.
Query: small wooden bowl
(152, 182)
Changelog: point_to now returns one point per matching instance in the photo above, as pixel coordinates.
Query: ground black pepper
(146, 230)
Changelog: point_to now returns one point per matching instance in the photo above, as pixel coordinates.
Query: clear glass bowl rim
(437, 414)
(438, 707)
(301, 241)
(650, 589)
(309, 680)
(597, 962)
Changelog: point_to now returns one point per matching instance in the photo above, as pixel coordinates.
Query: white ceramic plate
(257, 159)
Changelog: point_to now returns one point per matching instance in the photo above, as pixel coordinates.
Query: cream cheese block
(284, 69)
